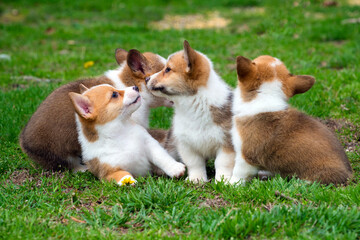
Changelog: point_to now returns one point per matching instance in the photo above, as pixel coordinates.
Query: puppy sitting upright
(50, 136)
(112, 144)
(269, 135)
(202, 119)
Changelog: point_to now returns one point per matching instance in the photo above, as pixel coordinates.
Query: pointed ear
(244, 67)
(300, 83)
(82, 104)
(120, 55)
(137, 62)
(83, 88)
(189, 56)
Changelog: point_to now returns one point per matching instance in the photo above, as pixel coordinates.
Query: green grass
(52, 41)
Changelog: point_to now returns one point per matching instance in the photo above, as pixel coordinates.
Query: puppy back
(289, 142)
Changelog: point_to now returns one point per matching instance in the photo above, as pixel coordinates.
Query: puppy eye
(114, 95)
(167, 70)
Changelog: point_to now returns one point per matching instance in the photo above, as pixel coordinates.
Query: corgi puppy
(269, 135)
(50, 137)
(113, 144)
(202, 119)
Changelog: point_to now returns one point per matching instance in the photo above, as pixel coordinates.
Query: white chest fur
(119, 146)
(193, 120)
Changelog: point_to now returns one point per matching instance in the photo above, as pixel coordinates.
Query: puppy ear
(137, 62)
(189, 56)
(120, 55)
(83, 88)
(82, 104)
(300, 83)
(244, 67)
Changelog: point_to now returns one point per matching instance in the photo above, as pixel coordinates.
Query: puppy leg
(224, 164)
(77, 165)
(242, 170)
(196, 165)
(161, 158)
(121, 177)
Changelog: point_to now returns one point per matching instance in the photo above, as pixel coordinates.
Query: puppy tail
(334, 176)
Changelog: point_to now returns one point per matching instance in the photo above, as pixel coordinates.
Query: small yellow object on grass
(127, 181)
(88, 64)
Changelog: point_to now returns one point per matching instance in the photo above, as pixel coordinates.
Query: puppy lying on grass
(114, 147)
(50, 136)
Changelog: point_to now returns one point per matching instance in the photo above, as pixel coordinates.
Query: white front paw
(237, 181)
(197, 179)
(176, 170)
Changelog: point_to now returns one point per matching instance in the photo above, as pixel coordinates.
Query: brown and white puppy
(50, 136)
(269, 135)
(202, 119)
(113, 145)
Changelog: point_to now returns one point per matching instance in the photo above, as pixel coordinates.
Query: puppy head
(104, 103)
(138, 68)
(184, 73)
(253, 75)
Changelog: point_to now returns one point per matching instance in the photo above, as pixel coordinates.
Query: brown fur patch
(248, 81)
(178, 81)
(120, 55)
(159, 135)
(105, 171)
(289, 142)
(222, 116)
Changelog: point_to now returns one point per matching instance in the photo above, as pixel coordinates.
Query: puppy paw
(176, 170)
(237, 181)
(197, 179)
(265, 175)
(127, 180)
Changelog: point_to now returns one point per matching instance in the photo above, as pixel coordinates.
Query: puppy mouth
(136, 100)
(163, 90)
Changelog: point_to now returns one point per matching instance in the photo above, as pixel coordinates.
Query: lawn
(49, 42)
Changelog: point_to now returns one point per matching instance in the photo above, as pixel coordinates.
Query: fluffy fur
(202, 118)
(269, 135)
(50, 136)
(111, 141)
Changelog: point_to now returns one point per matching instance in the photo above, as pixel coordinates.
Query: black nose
(147, 79)
(136, 88)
